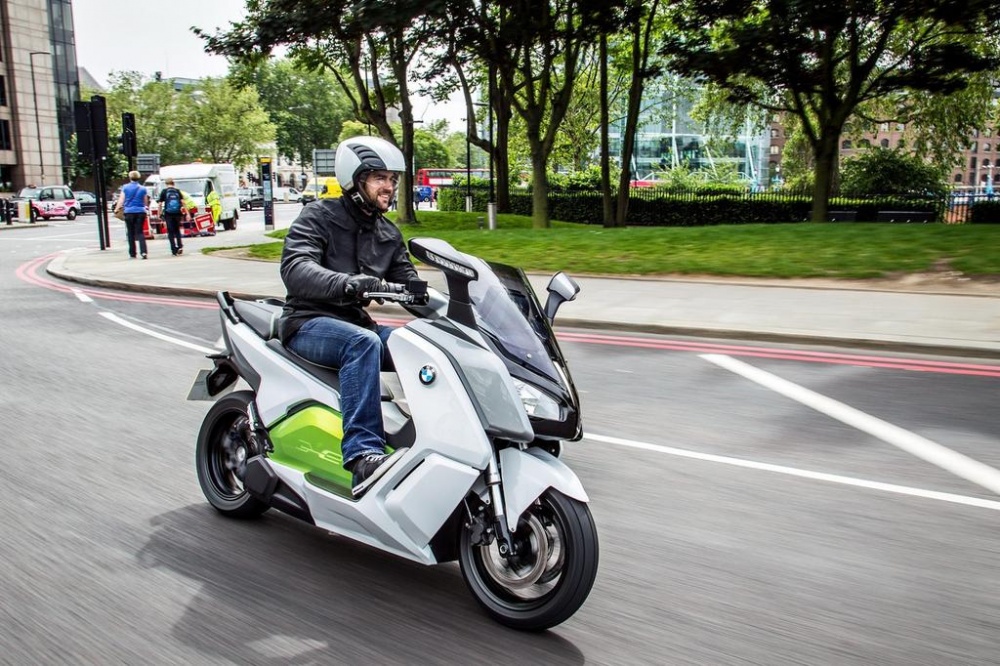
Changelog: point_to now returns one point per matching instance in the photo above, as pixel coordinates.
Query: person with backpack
(172, 209)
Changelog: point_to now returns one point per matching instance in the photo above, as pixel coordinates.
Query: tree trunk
(640, 50)
(503, 111)
(539, 191)
(404, 195)
(826, 166)
(606, 203)
(628, 147)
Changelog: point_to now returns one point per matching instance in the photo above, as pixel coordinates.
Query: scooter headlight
(536, 402)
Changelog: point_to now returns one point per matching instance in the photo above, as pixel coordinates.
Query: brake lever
(395, 297)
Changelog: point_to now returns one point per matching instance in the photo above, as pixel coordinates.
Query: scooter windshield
(507, 310)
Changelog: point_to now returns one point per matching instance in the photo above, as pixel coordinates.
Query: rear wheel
(223, 448)
(550, 576)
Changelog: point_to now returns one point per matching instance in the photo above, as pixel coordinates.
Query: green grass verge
(835, 250)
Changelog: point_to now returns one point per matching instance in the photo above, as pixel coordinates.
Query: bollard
(491, 213)
(8, 214)
(479, 221)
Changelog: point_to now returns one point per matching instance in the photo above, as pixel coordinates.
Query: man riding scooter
(336, 251)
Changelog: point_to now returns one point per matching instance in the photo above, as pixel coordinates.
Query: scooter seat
(325, 373)
(261, 316)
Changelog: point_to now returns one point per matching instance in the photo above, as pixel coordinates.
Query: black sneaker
(369, 468)
(365, 466)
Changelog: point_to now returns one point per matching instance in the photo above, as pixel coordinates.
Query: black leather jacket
(330, 240)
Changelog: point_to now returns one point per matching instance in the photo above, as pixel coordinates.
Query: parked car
(287, 195)
(86, 202)
(250, 197)
(50, 201)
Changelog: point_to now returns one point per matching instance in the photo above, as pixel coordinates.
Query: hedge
(684, 210)
(985, 212)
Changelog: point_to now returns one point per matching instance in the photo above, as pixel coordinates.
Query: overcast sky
(164, 42)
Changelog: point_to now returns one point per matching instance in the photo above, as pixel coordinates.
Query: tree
(524, 55)
(892, 172)
(641, 17)
(367, 47)
(209, 120)
(227, 124)
(822, 62)
(353, 128)
(161, 116)
(306, 108)
(429, 151)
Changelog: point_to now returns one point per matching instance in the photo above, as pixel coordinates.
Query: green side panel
(309, 441)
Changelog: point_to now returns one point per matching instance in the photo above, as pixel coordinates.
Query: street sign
(148, 162)
(324, 162)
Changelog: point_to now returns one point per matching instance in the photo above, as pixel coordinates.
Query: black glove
(357, 285)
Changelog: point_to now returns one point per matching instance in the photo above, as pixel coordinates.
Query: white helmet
(359, 154)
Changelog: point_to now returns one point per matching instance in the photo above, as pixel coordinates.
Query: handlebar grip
(395, 288)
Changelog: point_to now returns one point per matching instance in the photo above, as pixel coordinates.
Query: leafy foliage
(209, 120)
(307, 108)
(822, 62)
(891, 172)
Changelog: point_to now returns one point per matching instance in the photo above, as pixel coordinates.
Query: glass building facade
(65, 75)
(39, 81)
(668, 137)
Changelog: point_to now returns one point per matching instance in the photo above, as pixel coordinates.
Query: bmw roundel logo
(427, 375)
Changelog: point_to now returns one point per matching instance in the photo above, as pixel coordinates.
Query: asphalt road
(738, 525)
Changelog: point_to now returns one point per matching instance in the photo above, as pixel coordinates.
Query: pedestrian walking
(172, 209)
(133, 201)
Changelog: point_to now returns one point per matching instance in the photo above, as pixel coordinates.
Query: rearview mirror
(561, 288)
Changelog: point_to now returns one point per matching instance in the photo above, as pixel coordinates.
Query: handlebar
(412, 293)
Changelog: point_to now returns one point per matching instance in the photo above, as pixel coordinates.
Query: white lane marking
(921, 447)
(82, 296)
(803, 473)
(159, 336)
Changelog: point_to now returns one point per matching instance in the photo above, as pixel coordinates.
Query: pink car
(51, 201)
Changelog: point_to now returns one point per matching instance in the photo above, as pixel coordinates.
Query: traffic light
(129, 145)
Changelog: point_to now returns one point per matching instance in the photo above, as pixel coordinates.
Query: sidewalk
(947, 316)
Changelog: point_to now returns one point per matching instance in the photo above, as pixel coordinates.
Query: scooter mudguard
(527, 474)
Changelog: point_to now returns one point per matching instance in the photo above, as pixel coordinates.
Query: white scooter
(475, 476)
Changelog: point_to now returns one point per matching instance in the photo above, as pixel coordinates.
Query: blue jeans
(359, 354)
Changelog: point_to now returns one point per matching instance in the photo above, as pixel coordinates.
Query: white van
(198, 179)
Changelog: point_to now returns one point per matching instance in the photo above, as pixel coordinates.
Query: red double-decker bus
(446, 177)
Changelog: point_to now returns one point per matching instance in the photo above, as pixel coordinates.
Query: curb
(22, 225)
(55, 269)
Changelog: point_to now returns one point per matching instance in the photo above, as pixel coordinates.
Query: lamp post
(491, 205)
(468, 166)
(38, 124)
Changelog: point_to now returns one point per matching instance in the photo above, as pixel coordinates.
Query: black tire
(71, 215)
(218, 457)
(525, 592)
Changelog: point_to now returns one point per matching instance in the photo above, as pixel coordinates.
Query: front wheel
(550, 576)
(224, 445)
(71, 215)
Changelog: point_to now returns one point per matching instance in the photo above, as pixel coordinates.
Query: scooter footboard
(527, 474)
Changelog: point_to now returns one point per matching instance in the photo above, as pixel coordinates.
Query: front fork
(483, 531)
